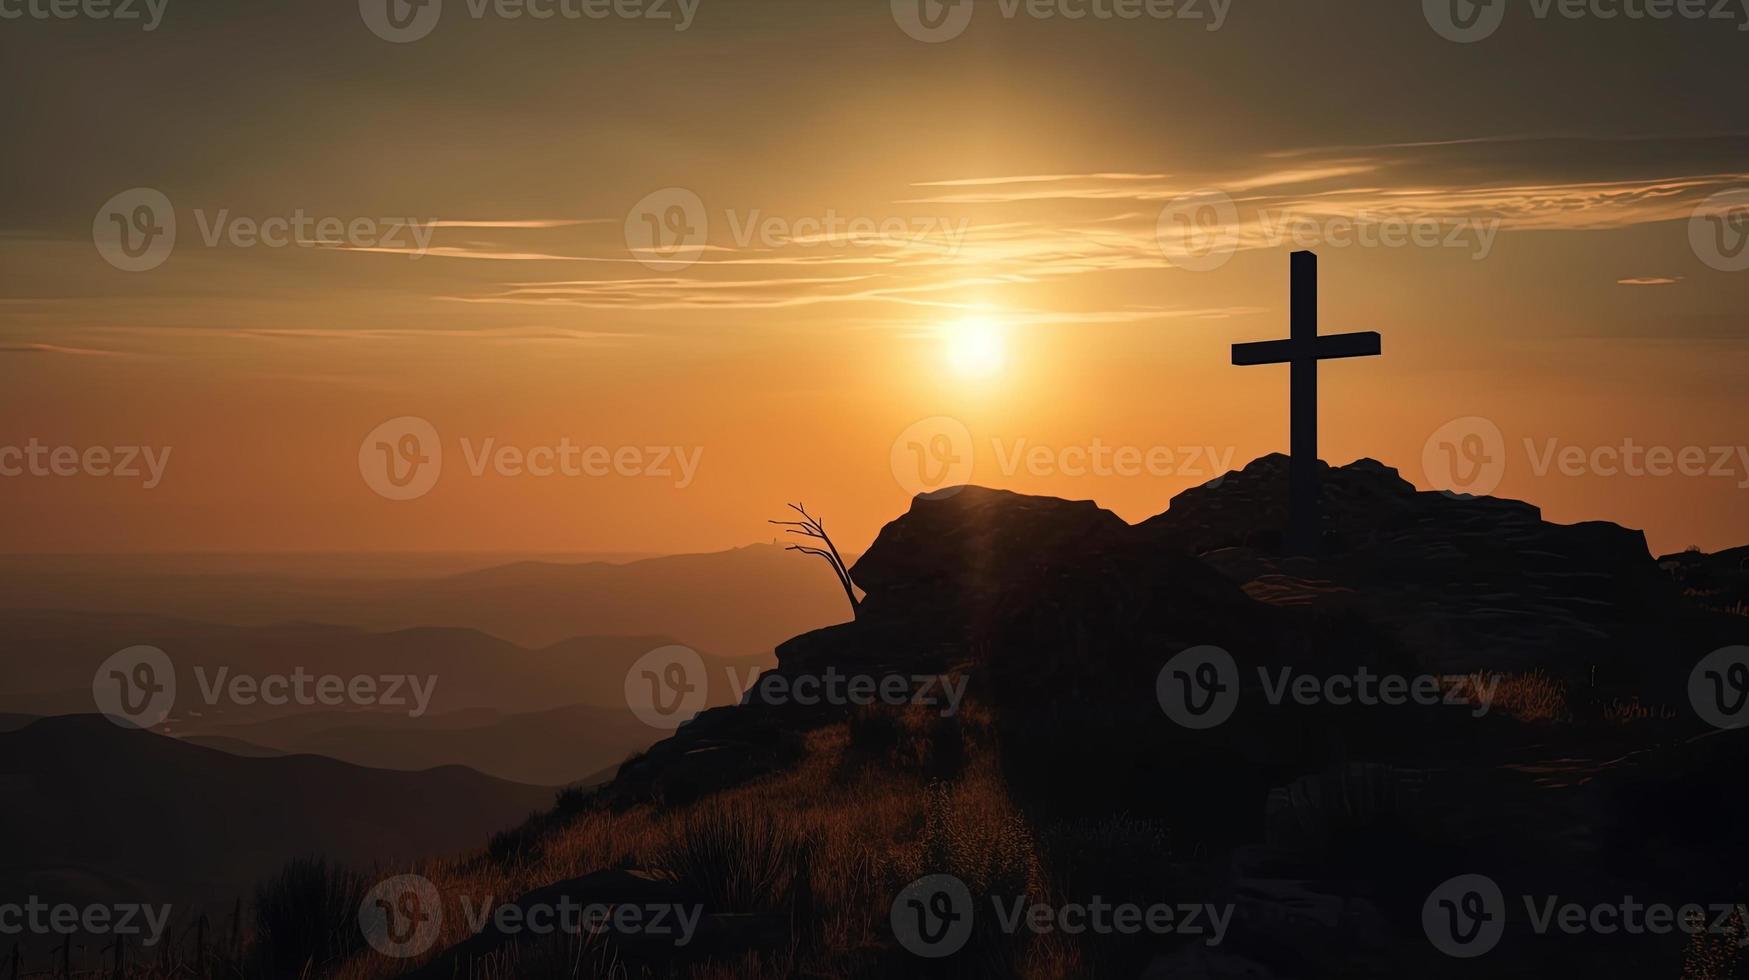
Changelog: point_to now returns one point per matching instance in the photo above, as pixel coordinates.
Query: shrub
(874, 732)
(1116, 857)
(306, 918)
(1534, 697)
(741, 858)
(946, 747)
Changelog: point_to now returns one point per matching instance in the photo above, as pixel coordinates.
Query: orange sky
(788, 359)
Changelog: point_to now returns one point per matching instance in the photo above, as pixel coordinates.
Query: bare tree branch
(811, 527)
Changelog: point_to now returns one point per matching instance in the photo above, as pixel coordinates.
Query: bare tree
(810, 527)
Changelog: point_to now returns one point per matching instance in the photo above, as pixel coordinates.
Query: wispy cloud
(535, 223)
(1012, 231)
(59, 349)
(514, 334)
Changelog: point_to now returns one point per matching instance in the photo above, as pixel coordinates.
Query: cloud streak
(1014, 231)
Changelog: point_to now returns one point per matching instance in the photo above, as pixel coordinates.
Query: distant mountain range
(96, 812)
(550, 716)
(529, 663)
(51, 657)
(529, 659)
(741, 602)
(548, 748)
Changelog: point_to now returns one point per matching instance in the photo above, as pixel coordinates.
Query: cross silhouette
(1302, 351)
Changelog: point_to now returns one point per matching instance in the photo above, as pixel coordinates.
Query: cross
(1303, 350)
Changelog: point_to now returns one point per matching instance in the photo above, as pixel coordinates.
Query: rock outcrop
(1468, 583)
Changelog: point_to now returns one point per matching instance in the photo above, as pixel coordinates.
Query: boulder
(959, 543)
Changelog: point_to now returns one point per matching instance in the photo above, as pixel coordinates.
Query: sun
(976, 347)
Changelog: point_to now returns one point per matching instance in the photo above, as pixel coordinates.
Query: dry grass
(1538, 696)
(1630, 711)
(1716, 955)
(861, 816)
(1533, 697)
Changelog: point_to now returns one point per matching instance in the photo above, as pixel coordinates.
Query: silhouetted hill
(1325, 824)
(547, 748)
(1717, 581)
(740, 602)
(236, 746)
(51, 657)
(97, 812)
(549, 716)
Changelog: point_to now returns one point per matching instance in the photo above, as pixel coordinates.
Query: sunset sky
(967, 229)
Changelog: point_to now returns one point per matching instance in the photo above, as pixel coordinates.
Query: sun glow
(976, 347)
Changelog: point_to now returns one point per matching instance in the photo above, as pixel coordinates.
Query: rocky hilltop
(1458, 583)
(1322, 824)
(1467, 582)
(1065, 613)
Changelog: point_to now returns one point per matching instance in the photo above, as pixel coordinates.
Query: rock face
(981, 558)
(1462, 583)
(1063, 615)
(970, 526)
(957, 544)
(1468, 582)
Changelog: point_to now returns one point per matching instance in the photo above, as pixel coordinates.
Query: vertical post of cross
(1302, 350)
(1303, 493)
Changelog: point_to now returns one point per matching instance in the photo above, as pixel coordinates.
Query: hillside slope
(95, 812)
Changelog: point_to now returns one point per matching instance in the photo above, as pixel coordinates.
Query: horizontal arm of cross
(1363, 344)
